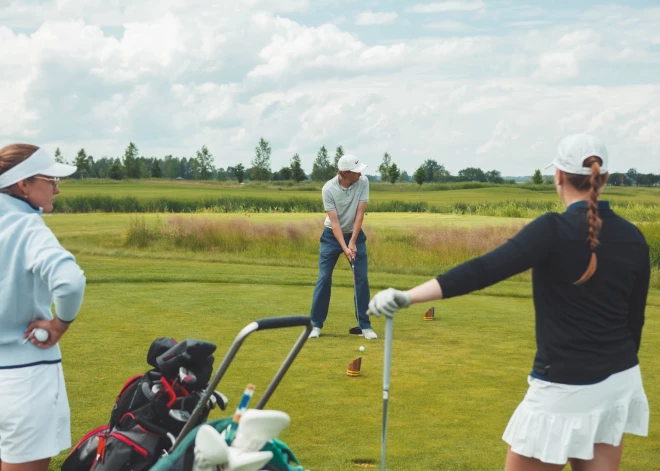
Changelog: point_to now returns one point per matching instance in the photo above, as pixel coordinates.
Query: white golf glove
(388, 302)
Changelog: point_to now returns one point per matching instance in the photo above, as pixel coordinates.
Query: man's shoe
(315, 333)
(369, 334)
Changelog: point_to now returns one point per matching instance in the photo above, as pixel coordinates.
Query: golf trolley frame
(261, 324)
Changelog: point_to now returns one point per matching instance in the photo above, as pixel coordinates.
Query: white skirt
(34, 413)
(555, 422)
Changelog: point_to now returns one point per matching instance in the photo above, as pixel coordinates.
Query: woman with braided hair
(590, 278)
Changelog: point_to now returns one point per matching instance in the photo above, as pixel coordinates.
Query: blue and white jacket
(35, 271)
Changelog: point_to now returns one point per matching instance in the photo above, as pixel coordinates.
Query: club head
(211, 450)
(179, 415)
(355, 331)
(258, 427)
(186, 376)
(219, 399)
(242, 460)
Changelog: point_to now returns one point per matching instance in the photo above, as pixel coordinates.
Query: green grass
(401, 243)
(193, 191)
(512, 201)
(455, 381)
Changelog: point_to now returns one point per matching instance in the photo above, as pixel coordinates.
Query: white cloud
(295, 48)
(556, 66)
(172, 76)
(481, 104)
(443, 7)
(649, 133)
(451, 26)
(368, 18)
(500, 137)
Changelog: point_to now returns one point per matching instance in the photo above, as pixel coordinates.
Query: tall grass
(651, 232)
(418, 250)
(233, 236)
(415, 250)
(435, 249)
(129, 204)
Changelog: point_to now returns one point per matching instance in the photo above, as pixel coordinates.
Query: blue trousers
(329, 253)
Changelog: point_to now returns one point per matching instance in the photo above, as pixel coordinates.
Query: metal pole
(389, 331)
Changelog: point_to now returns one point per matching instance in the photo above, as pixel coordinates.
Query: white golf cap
(39, 163)
(350, 163)
(573, 150)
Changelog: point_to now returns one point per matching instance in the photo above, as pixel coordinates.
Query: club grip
(283, 321)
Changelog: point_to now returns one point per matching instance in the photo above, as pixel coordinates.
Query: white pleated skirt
(555, 422)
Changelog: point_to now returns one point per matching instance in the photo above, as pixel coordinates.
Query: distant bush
(637, 212)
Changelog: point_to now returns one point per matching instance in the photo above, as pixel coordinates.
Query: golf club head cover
(257, 427)
(211, 450)
(157, 348)
(243, 460)
(202, 369)
(192, 354)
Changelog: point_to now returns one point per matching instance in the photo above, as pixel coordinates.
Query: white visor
(39, 163)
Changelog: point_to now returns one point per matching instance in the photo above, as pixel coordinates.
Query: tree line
(201, 167)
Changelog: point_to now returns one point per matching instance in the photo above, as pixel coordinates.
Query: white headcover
(39, 163)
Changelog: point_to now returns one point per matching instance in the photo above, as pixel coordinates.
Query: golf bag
(182, 457)
(150, 410)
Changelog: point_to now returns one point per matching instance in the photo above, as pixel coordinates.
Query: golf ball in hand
(41, 335)
(362, 349)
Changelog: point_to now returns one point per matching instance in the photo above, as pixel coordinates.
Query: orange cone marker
(353, 369)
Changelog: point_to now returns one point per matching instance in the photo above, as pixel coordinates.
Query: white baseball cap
(573, 150)
(350, 163)
(39, 163)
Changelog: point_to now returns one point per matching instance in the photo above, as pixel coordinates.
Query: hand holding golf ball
(38, 333)
(45, 333)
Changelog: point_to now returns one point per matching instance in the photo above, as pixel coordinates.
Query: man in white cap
(345, 200)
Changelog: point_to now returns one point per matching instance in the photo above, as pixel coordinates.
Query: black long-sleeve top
(584, 333)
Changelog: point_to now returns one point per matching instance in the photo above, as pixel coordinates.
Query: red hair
(593, 182)
(12, 155)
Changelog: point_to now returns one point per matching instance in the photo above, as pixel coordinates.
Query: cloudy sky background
(492, 84)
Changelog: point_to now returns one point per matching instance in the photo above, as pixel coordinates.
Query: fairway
(455, 381)
(379, 192)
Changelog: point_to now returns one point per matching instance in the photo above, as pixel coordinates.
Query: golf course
(207, 271)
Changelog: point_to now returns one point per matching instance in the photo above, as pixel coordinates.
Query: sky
(489, 84)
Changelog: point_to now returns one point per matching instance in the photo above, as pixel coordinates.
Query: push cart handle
(283, 322)
(262, 324)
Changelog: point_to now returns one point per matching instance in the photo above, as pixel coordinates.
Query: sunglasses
(54, 181)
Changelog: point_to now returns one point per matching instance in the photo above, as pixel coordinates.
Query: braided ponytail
(595, 182)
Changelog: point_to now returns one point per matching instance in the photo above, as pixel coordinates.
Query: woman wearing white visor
(590, 278)
(36, 272)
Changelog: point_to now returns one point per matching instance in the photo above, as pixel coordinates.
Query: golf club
(357, 330)
(389, 331)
